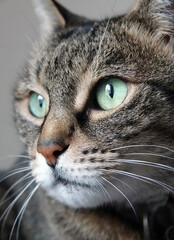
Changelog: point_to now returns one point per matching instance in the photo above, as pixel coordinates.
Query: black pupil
(110, 90)
(40, 100)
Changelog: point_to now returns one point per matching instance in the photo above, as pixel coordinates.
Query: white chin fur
(99, 193)
(77, 196)
(74, 196)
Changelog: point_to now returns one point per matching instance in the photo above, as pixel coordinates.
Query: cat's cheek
(41, 172)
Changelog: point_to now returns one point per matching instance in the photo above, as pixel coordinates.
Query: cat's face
(88, 93)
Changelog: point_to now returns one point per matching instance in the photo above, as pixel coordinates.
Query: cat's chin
(77, 190)
(77, 196)
(72, 194)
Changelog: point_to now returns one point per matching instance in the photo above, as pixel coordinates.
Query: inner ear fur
(156, 16)
(65, 17)
(52, 14)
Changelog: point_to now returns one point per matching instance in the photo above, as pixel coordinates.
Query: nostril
(51, 153)
(56, 153)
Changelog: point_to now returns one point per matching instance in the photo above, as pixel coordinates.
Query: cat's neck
(49, 219)
(98, 224)
(69, 224)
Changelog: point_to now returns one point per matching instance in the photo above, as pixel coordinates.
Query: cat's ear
(156, 17)
(52, 14)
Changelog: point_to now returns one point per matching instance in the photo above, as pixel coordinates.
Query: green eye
(37, 105)
(111, 93)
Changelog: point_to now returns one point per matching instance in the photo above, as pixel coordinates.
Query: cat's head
(95, 105)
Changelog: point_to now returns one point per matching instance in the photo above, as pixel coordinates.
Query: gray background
(19, 29)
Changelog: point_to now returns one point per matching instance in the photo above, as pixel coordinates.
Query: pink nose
(51, 153)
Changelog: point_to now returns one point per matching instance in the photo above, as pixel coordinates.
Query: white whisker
(141, 162)
(142, 178)
(30, 40)
(135, 146)
(124, 183)
(149, 164)
(16, 169)
(17, 191)
(7, 211)
(103, 189)
(120, 193)
(149, 154)
(14, 172)
(23, 162)
(104, 33)
(21, 213)
(25, 177)
(15, 156)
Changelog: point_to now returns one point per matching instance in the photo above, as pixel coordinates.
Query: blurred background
(19, 30)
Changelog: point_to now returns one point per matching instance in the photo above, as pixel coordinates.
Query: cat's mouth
(66, 182)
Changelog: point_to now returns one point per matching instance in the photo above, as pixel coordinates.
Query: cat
(95, 107)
